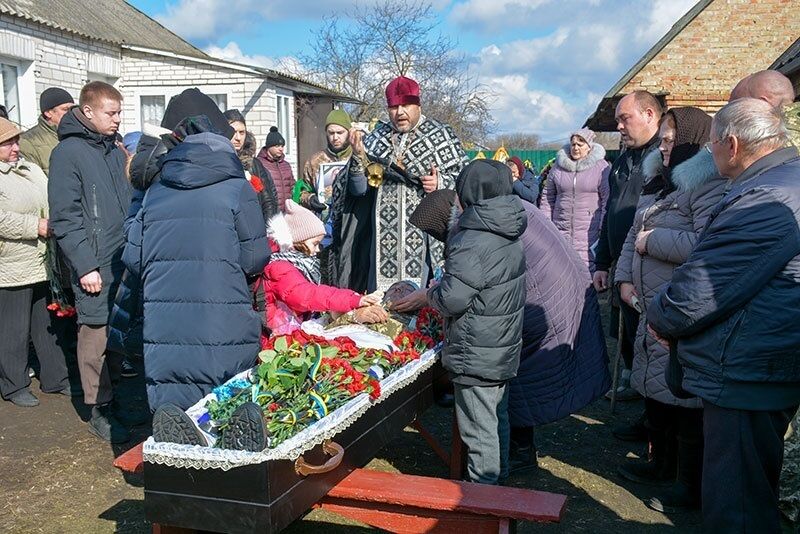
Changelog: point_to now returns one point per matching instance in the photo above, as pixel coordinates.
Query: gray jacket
(675, 221)
(482, 294)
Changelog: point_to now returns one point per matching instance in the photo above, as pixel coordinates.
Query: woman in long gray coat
(577, 192)
(682, 189)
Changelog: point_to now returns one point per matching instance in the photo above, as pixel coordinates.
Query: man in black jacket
(731, 312)
(637, 117)
(89, 198)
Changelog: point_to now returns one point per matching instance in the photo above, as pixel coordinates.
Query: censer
(375, 174)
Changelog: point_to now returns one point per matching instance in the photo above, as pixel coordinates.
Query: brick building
(714, 45)
(66, 43)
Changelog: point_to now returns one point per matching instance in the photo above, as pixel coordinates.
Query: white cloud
(663, 15)
(552, 82)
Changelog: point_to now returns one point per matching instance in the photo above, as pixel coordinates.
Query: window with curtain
(221, 101)
(10, 95)
(283, 119)
(152, 109)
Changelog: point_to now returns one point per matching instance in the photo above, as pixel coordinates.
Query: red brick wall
(726, 41)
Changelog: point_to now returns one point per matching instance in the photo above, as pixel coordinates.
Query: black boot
(637, 431)
(522, 456)
(172, 425)
(660, 468)
(247, 430)
(684, 494)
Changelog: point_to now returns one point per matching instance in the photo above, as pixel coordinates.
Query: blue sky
(548, 61)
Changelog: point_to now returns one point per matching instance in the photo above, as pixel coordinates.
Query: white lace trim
(197, 457)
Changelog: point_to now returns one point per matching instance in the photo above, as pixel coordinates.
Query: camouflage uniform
(790, 475)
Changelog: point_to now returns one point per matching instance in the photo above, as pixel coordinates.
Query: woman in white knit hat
(291, 280)
(24, 290)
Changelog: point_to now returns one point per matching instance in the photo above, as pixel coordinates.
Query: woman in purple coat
(577, 192)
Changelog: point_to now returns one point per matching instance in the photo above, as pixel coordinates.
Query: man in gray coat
(89, 198)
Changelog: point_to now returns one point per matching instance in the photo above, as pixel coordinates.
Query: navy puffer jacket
(199, 235)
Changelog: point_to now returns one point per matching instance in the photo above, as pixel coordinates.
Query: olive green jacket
(37, 143)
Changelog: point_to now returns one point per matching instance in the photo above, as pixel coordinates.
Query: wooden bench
(412, 504)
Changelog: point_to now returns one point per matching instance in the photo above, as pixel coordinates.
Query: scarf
(692, 131)
(342, 155)
(308, 265)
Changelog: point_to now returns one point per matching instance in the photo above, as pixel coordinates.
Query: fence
(537, 158)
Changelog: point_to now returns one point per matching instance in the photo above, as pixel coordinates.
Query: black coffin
(267, 497)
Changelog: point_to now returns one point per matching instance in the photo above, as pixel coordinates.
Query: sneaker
(128, 370)
(173, 425)
(24, 399)
(247, 430)
(676, 499)
(105, 426)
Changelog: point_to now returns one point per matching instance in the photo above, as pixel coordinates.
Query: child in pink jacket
(291, 280)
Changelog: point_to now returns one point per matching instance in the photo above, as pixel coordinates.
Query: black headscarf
(692, 131)
(193, 103)
(432, 216)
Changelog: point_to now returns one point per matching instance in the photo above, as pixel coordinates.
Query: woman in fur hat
(577, 192)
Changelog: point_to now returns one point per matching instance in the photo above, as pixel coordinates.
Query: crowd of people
(186, 246)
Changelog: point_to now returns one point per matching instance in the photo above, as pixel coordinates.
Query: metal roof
(789, 61)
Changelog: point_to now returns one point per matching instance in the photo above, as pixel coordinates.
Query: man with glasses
(730, 314)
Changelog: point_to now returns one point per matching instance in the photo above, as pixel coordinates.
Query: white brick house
(53, 44)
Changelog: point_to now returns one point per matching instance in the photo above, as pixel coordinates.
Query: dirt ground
(56, 477)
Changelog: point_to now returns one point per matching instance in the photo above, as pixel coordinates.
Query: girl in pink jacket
(291, 280)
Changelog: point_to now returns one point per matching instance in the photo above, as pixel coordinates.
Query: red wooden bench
(412, 504)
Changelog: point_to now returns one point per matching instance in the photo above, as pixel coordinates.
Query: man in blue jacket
(731, 313)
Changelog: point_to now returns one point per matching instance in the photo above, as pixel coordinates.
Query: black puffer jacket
(482, 294)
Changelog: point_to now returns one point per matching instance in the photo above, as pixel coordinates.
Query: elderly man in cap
(36, 144)
(405, 158)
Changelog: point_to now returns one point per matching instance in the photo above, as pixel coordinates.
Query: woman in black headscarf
(681, 189)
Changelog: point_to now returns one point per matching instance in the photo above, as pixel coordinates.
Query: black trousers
(741, 468)
(24, 316)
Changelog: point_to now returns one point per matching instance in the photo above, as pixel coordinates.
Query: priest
(374, 245)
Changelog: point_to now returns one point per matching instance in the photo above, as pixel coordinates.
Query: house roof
(789, 61)
(112, 21)
(118, 22)
(613, 95)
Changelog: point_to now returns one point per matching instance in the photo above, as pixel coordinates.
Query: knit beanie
(8, 130)
(234, 115)
(483, 179)
(274, 138)
(52, 97)
(432, 215)
(193, 103)
(339, 117)
(518, 163)
(584, 133)
(303, 224)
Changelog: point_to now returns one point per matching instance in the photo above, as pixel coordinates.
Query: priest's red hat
(402, 91)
